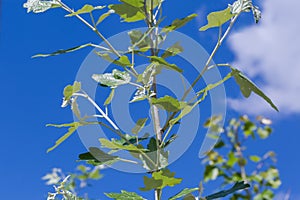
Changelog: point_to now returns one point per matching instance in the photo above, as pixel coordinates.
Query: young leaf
(237, 186)
(85, 9)
(183, 193)
(104, 16)
(173, 50)
(216, 19)
(177, 23)
(39, 6)
(96, 156)
(110, 97)
(62, 51)
(128, 12)
(139, 125)
(69, 90)
(247, 86)
(123, 61)
(165, 63)
(124, 195)
(168, 103)
(113, 79)
(73, 127)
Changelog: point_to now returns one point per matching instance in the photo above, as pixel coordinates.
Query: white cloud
(270, 51)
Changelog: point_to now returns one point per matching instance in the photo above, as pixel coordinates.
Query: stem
(65, 7)
(206, 67)
(98, 108)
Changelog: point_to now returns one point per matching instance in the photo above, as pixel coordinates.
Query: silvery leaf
(38, 6)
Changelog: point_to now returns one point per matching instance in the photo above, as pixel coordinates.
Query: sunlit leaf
(255, 158)
(104, 16)
(160, 180)
(114, 79)
(177, 23)
(123, 61)
(216, 19)
(124, 195)
(69, 90)
(39, 6)
(85, 9)
(128, 12)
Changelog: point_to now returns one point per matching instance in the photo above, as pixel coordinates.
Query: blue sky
(32, 90)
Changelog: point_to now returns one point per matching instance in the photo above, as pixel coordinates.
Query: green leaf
(116, 146)
(110, 97)
(104, 16)
(237, 186)
(73, 127)
(165, 63)
(134, 3)
(168, 103)
(69, 90)
(114, 79)
(123, 61)
(264, 132)
(40, 6)
(167, 177)
(151, 184)
(160, 180)
(216, 19)
(62, 51)
(124, 195)
(247, 86)
(210, 173)
(177, 23)
(183, 193)
(98, 157)
(232, 159)
(139, 125)
(255, 158)
(128, 12)
(173, 50)
(140, 40)
(85, 9)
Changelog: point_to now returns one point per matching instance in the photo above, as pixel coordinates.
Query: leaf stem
(65, 7)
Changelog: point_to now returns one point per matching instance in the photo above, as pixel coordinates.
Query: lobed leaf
(96, 156)
(116, 146)
(122, 61)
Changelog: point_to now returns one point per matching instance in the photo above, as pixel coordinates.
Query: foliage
(151, 154)
(230, 162)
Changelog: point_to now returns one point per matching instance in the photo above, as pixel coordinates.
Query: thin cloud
(269, 52)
